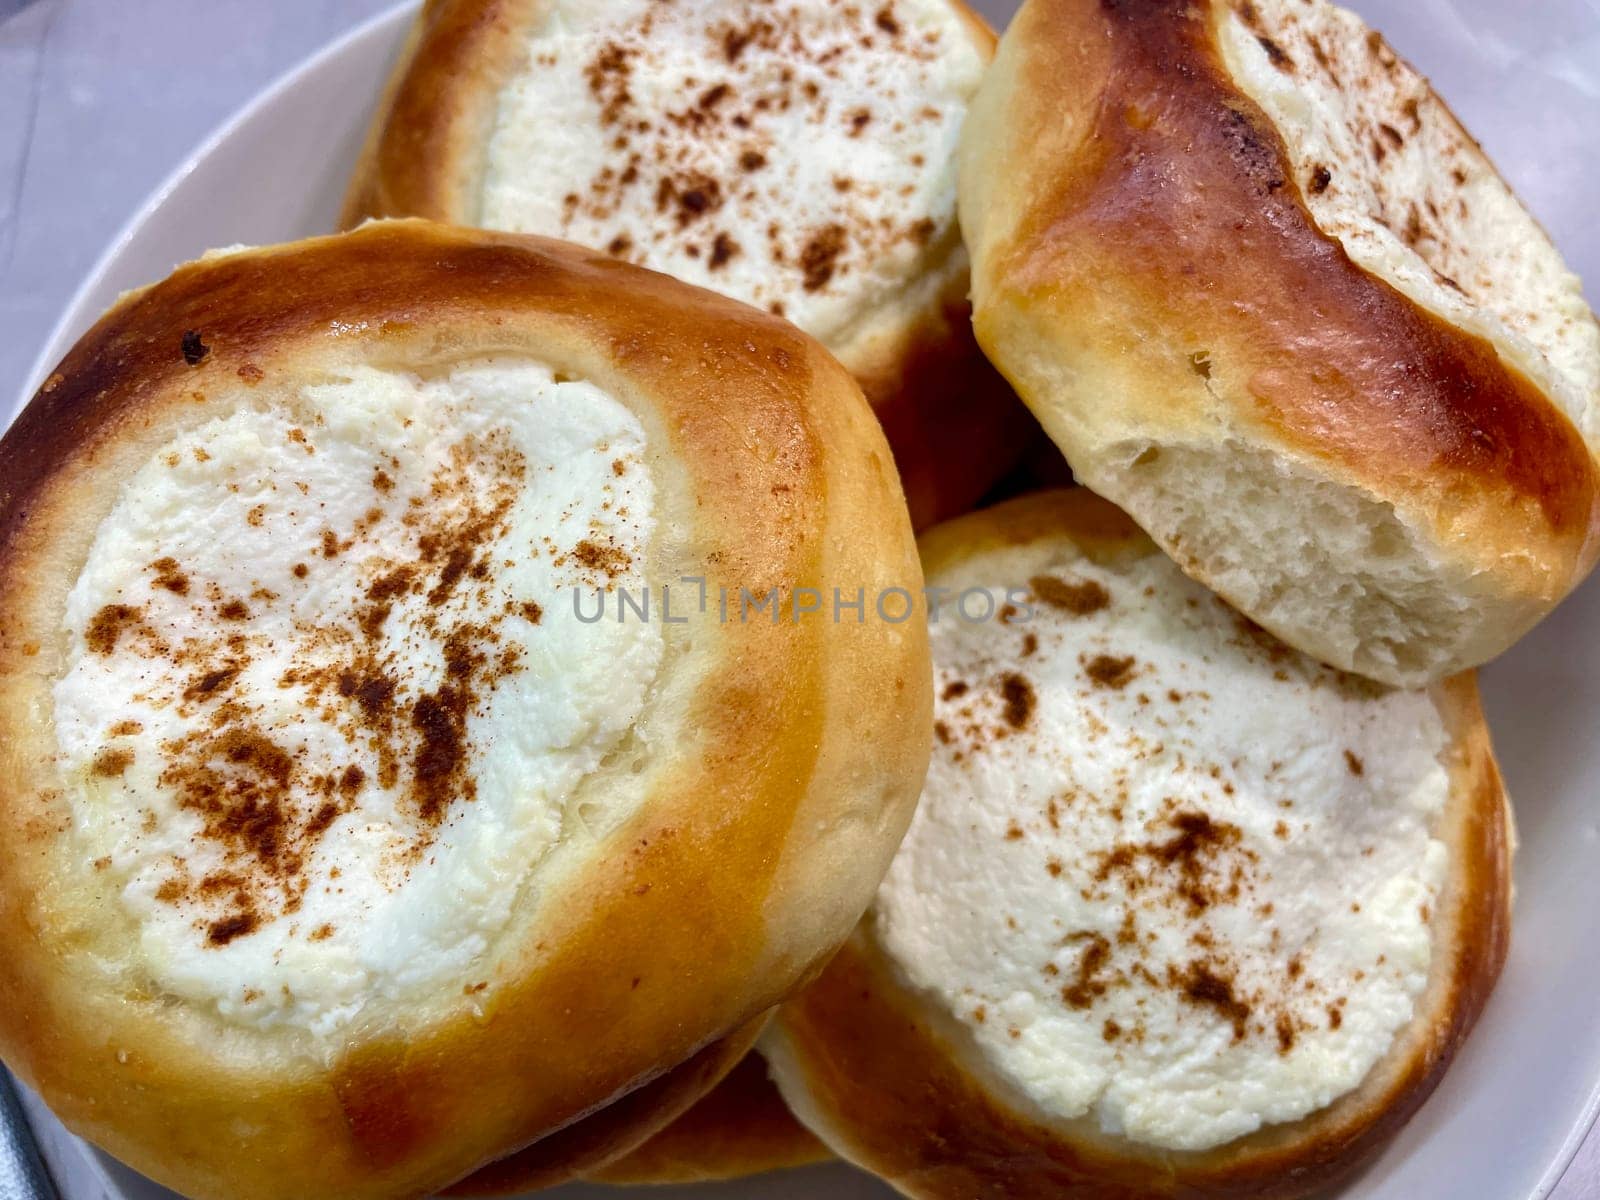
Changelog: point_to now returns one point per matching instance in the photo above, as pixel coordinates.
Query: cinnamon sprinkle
(1078, 597)
(262, 804)
(743, 87)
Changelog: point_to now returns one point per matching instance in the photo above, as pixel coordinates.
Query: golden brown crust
(741, 1127)
(618, 1130)
(1150, 240)
(953, 423)
(423, 154)
(753, 856)
(1374, 383)
(863, 1064)
(951, 419)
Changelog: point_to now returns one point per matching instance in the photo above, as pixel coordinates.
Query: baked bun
(344, 847)
(619, 1128)
(741, 1127)
(1181, 913)
(797, 155)
(1271, 299)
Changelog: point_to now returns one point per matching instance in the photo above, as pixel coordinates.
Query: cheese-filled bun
(624, 1126)
(798, 155)
(673, 1130)
(414, 737)
(1182, 912)
(741, 1127)
(1271, 298)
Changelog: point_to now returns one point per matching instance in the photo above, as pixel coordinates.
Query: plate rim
(1577, 1135)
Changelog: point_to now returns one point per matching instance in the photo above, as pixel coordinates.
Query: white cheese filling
(327, 699)
(1170, 875)
(1386, 169)
(798, 156)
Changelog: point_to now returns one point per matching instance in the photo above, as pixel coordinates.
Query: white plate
(1518, 1101)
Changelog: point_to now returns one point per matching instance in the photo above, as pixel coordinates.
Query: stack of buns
(477, 714)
